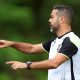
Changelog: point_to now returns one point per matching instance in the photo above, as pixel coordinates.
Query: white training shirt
(68, 45)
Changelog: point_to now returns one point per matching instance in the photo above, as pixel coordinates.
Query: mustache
(50, 24)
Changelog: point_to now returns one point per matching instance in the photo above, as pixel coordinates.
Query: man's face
(54, 21)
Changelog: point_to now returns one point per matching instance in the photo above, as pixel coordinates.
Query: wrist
(29, 65)
(11, 43)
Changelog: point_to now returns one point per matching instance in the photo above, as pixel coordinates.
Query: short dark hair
(68, 10)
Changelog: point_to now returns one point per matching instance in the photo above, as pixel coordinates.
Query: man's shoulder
(73, 38)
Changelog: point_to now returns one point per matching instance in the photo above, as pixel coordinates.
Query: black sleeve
(68, 48)
(46, 45)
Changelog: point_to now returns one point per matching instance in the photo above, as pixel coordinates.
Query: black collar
(63, 34)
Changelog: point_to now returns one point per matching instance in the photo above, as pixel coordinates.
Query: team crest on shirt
(59, 46)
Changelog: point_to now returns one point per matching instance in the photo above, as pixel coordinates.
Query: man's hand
(17, 65)
(5, 43)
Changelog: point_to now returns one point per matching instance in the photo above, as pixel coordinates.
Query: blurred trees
(27, 21)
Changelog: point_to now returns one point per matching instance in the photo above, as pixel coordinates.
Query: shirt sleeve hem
(65, 55)
(43, 48)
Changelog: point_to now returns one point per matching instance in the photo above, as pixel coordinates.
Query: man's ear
(61, 20)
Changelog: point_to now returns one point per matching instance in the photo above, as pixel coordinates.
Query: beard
(51, 29)
(54, 29)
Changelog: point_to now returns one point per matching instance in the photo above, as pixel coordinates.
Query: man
(64, 51)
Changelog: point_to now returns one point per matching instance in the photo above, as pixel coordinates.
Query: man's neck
(63, 31)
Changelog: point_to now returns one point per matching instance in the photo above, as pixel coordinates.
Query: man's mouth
(50, 24)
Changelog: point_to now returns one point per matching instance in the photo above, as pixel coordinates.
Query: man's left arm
(46, 64)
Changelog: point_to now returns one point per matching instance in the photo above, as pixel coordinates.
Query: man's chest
(55, 47)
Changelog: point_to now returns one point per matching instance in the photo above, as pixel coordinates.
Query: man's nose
(49, 20)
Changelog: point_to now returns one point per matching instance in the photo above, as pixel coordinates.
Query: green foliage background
(27, 21)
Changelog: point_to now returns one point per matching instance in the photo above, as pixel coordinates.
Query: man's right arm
(23, 47)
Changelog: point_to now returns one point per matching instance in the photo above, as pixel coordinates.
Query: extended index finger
(10, 62)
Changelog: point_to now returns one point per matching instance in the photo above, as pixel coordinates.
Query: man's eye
(52, 16)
